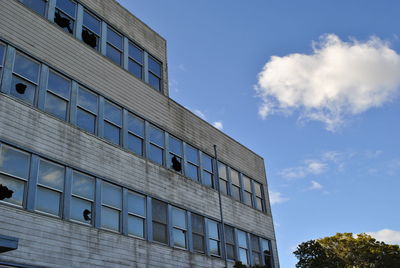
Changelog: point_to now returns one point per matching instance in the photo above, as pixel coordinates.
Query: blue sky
(313, 87)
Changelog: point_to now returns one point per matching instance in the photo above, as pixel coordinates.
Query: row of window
(75, 19)
(39, 184)
(40, 86)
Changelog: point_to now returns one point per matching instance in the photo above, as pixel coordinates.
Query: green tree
(344, 250)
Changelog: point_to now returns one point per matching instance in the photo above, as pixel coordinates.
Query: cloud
(315, 167)
(276, 198)
(338, 80)
(218, 125)
(315, 186)
(386, 235)
(200, 114)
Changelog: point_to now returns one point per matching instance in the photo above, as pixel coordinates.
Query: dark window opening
(159, 213)
(5, 192)
(90, 38)
(64, 21)
(176, 164)
(91, 30)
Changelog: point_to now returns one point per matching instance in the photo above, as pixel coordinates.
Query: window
(82, 200)
(213, 238)
(259, 195)
(111, 206)
(65, 15)
(157, 145)
(223, 178)
(247, 194)
(58, 95)
(154, 73)
(159, 213)
(115, 46)
(14, 172)
(50, 187)
(136, 214)
(243, 248)
(175, 154)
(207, 173)
(25, 78)
(2, 53)
(87, 109)
(230, 242)
(255, 249)
(192, 163)
(39, 6)
(266, 252)
(91, 30)
(235, 190)
(135, 63)
(135, 136)
(179, 228)
(112, 122)
(198, 233)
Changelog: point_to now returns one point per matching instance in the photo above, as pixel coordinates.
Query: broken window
(175, 154)
(135, 136)
(58, 95)
(198, 233)
(266, 252)
(213, 238)
(135, 63)
(255, 249)
(14, 173)
(259, 196)
(2, 53)
(179, 228)
(82, 197)
(235, 179)
(115, 46)
(154, 73)
(247, 193)
(25, 78)
(65, 15)
(223, 178)
(230, 242)
(156, 145)
(136, 214)
(111, 201)
(160, 213)
(243, 247)
(87, 110)
(50, 187)
(91, 30)
(39, 6)
(207, 173)
(112, 122)
(192, 163)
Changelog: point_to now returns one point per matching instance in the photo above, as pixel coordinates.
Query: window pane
(192, 172)
(87, 100)
(86, 120)
(154, 66)
(179, 237)
(175, 146)
(81, 210)
(179, 218)
(136, 125)
(242, 239)
(91, 22)
(38, 6)
(214, 247)
(207, 179)
(192, 154)
(222, 170)
(51, 175)
(235, 177)
(136, 204)
(59, 85)
(14, 162)
(135, 68)
(265, 247)
(135, 226)
(156, 154)
(207, 162)
(257, 188)
(247, 198)
(48, 201)
(223, 186)
(255, 243)
(230, 252)
(243, 256)
(247, 184)
(114, 54)
(268, 261)
(110, 218)
(197, 224)
(15, 185)
(235, 192)
(114, 38)
(112, 133)
(229, 235)
(175, 162)
(256, 258)
(136, 53)
(90, 39)
(213, 229)
(156, 136)
(2, 50)
(159, 211)
(259, 205)
(160, 232)
(65, 22)
(83, 185)
(154, 81)
(135, 144)
(26, 67)
(56, 106)
(112, 113)
(67, 6)
(111, 195)
(198, 243)
(23, 90)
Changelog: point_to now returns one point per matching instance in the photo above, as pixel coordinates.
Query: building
(105, 169)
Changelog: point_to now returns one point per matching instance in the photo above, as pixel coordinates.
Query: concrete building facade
(99, 167)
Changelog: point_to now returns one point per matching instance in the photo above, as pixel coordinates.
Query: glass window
(135, 64)
(243, 248)
(91, 30)
(114, 46)
(248, 193)
(179, 227)
(135, 134)
(157, 145)
(111, 196)
(39, 6)
(235, 179)
(14, 172)
(259, 196)
(230, 242)
(159, 213)
(112, 122)
(82, 197)
(154, 73)
(58, 95)
(255, 248)
(192, 164)
(198, 233)
(87, 109)
(136, 214)
(266, 251)
(50, 187)
(223, 178)
(213, 237)
(65, 15)
(2, 53)
(25, 78)
(175, 154)
(207, 173)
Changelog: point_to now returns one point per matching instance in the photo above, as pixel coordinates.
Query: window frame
(191, 163)
(234, 185)
(55, 94)
(46, 8)
(165, 224)
(240, 247)
(259, 197)
(80, 107)
(136, 135)
(179, 228)
(98, 35)
(86, 199)
(157, 146)
(109, 43)
(3, 59)
(64, 13)
(226, 180)
(205, 170)
(209, 238)
(150, 72)
(246, 191)
(136, 215)
(202, 235)
(114, 124)
(141, 64)
(231, 244)
(174, 154)
(111, 207)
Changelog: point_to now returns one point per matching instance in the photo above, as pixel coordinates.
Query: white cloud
(315, 186)
(200, 114)
(338, 80)
(276, 198)
(315, 167)
(386, 235)
(218, 125)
